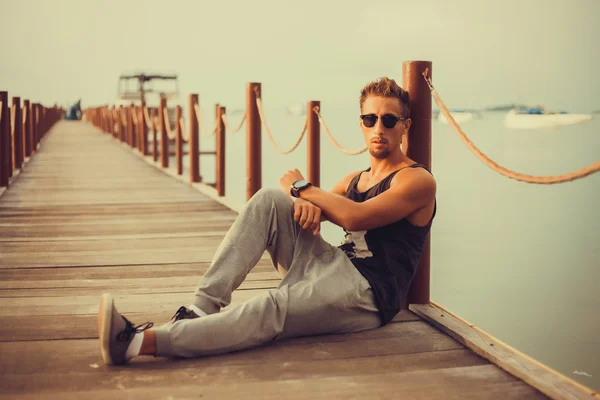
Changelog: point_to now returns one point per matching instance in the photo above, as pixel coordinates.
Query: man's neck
(389, 164)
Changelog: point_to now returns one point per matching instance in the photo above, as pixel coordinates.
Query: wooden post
(313, 144)
(178, 141)
(18, 135)
(34, 127)
(164, 138)
(143, 130)
(194, 144)
(132, 126)
(111, 122)
(27, 129)
(418, 148)
(220, 149)
(253, 141)
(154, 136)
(4, 139)
(120, 123)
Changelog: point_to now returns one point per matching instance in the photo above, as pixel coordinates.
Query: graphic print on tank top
(355, 245)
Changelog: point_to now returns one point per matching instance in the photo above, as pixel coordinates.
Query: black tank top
(387, 256)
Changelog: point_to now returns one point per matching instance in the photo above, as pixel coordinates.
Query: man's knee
(268, 196)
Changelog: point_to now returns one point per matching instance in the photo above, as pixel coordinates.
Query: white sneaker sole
(104, 323)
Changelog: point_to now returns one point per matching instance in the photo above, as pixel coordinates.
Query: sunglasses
(389, 121)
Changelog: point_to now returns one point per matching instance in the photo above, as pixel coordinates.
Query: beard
(380, 154)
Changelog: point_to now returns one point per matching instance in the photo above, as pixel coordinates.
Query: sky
(483, 52)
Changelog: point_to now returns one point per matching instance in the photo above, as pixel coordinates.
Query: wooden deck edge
(26, 160)
(534, 373)
(13, 178)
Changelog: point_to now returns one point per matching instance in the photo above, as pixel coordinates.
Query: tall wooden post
(178, 141)
(111, 122)
(18, 135)
(154, 136)
(194, 144)
(220, 149)
(313, 144)
(164, 138)
(253, 141)
(143, 130)
(120, 124)
(27, 128)
(418, 148)
(34, 128)
(4, 139)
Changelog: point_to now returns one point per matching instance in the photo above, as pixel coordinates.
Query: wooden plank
(470, 382)
(63, 327)
(263, 270)
(543, 378)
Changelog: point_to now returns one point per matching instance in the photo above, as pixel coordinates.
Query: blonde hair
(386, 87)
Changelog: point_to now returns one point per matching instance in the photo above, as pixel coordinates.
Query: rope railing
(13, 117)
(147, 117)
(331, 138)
(544, 180)
(224, 119)
(270, 136)
(197, 112)
(185, 138)
(170, 134)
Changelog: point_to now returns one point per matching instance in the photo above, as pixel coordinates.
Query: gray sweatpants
(322, 292)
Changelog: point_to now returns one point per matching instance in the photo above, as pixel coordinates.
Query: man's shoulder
(415, 178)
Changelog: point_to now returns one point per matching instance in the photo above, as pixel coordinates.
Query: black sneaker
(115, 332)
(183, 313)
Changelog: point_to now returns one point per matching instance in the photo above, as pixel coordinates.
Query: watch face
(301, 184)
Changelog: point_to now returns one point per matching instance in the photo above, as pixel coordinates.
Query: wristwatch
(298, 186)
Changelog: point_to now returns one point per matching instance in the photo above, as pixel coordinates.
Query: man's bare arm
(340, 189)
(415, 189)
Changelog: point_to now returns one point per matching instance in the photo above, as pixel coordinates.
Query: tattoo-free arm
(409, 191)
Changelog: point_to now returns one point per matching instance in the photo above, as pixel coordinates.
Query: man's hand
(307, 215)
(288, 179)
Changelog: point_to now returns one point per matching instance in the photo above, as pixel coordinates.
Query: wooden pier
(88, 215)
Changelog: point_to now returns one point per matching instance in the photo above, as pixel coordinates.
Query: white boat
(459, 116)
(539, 117)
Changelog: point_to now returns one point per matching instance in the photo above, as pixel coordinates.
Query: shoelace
(181, 313)
(129, 330)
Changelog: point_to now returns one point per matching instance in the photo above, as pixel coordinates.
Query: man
(386, 211)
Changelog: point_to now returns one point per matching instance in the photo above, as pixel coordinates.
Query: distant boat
(539, 117)
(459, 116)
(504, 107)
(296, 109)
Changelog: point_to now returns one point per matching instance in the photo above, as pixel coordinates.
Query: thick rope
(170, 134)
(264, 122)
(545, 180)
(13, 117)
(134, 114)
(335, 143)
(123, 117)
(24, 114)
(224, 119)
(147, 117)
(182, 128)
(197, 112)
(0, 111)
